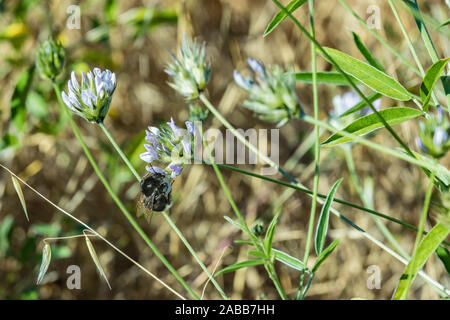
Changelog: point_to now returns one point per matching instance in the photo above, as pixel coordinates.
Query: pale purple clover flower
(169, 144)
(90, 99)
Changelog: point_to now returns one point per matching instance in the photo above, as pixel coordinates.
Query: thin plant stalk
(269, 264)
(422, 221)
(312, 214)
(94, 232)
(165, 215)
(384, 230)
(116, 198)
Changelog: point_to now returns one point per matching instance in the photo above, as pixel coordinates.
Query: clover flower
(92, 98)
(434, 134)
(343, 103)
(169, 144)
(50, 59)
(271, 94)
(192, 72)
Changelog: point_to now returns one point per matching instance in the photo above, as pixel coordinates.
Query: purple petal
(186, 147)
(174, 128)
(440, 136)
(153, 169)
(256, 66)
(190, 127)
(239, 79)
(176, 170)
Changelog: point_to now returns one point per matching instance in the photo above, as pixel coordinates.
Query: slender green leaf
(46, 257)
(257, 254)
(444, 255)
(18, 106)
(289, 260)
(366, 53)
(234, 223)
(5, 230)
(20, 194)
(96, 260)
(322, 225)
(370, 76)
(372, 122)
(240, 265)
(281, 15)
(269, 235)
(362, 104)
(324, 255)
(247, 242)
(426, 248)
(431, 76)
(325, 77)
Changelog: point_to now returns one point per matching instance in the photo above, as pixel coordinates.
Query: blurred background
(132, 38)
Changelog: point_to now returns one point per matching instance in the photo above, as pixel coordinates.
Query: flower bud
(434, 135)
(50, 59)
(271, 93)
(192, 72)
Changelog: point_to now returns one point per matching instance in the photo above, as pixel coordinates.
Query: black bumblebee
(155, 194)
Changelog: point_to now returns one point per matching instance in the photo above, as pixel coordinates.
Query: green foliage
(426, 248)
(19, 98)
(322, 225)
(430, 79)
(372, 122)
(281, 15)
(369, 75)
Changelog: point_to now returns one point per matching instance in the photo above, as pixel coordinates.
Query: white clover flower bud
(192, 72)
(271, 93)
(91, 99)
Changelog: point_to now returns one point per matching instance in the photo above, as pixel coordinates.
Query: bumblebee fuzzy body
(155, 191)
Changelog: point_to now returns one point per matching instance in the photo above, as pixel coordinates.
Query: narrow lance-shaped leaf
(234, 223)
(366, 53)
(362, 104)
(289, 260)
(46, 257)
(372, 122)
(324, 255)
(370, 76)
(322, 225)
(240, 265)
(324, 77)
(96, 260)
(269, 235)
(20, 194)
(431, 76)
(426, 248)
(281, 15)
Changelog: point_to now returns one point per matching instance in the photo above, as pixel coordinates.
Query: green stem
(166, 216)
(422, 221)
(194, 254)
(384, 230)
(116, 199)
(268, 265)
(119, 151)
(312, 214)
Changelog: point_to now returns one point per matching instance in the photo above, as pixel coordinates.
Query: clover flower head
(190, 73)
(343, 103)
(91, 99)
(271, 93)
(169, 145)
(50, 59)
(434, 134)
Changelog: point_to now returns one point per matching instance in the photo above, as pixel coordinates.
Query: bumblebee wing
(141, 209)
